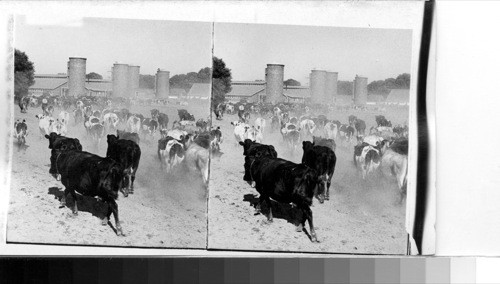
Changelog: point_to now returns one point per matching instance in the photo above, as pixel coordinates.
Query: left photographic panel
(104, 111)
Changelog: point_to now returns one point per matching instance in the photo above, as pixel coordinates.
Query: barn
(251, 91)
(57, 84)
(199, 91)
(297, 94)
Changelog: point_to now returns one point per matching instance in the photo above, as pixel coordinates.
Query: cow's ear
(242, 144)
(47, 136)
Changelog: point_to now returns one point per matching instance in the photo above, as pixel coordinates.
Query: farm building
(200, 91)
(251, 91)
(54, 84)
(398, 97)
(297, 94)
(58, 85)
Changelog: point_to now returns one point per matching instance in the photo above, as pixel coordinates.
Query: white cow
(331, 130)
(110, 121)
(64, 117)
(44, 124)
(59, 127)
(134, 124)
(260, 124)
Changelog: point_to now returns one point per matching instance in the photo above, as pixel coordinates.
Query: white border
(392, 14)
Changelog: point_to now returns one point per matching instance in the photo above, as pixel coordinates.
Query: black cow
(284, 182)
(23, 104)
(185, 115)
(60, 143)
(128, 136)
(360, 126)
(162, 120)
(128, 154)
(89, 175)
(155, 113)
(382, 121)
(323, 160)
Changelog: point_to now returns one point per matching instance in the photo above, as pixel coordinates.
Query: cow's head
(307, 145)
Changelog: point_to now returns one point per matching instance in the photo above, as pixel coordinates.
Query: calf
(323, 160)
(128, 154)
(90, 175)
(284, 182)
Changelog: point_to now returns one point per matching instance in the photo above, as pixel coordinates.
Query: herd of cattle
(190, 142)
(382, 148)
(187, 143)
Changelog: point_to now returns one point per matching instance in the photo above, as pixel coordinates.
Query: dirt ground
(164, 211)
(362, 216)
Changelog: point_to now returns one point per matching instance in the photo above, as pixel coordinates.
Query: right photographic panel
(315, 124)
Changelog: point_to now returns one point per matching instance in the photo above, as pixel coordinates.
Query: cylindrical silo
(331, 87)
(76, 76)
(318, 86)
(162, 84)
(360, 90)
(120, 80)
(274, 83)
(133, 80)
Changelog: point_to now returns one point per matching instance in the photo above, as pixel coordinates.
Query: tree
(403, 81)
(291, 82)
(146, 81)
(93, 75)
(221, 81)
(24, 74)
(344, 88)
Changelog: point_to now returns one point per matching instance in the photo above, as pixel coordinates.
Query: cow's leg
(307, 215)
(113, 208)
(75, 207)
(63, 198)
(268, 203)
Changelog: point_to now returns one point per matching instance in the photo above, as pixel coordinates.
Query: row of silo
(125, 79)
(275, 75)
(323, 86)
(77, 68)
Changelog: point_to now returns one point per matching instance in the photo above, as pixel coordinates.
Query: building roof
(99, 85)
(200, 90)
(398, 96)
(261, 83)
(243, 90)
(297, 92)
(49, 82)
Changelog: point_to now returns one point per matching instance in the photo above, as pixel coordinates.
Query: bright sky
(178, 47)
(375, 53)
